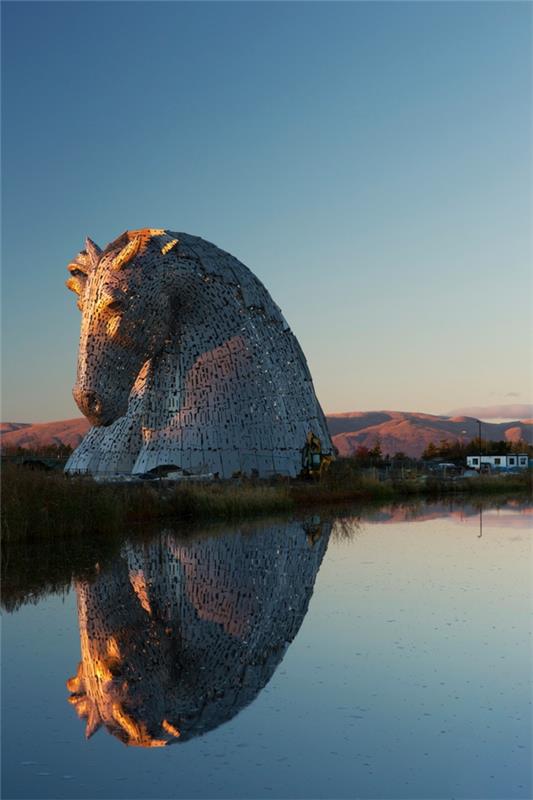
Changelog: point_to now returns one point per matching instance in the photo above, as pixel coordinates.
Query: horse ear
(93, 251)
(76, 683)
(79, 269)
(74, 285)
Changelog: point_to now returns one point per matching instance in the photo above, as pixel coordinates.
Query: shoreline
(41, 505)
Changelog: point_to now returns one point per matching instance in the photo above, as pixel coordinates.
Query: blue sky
(371, 162)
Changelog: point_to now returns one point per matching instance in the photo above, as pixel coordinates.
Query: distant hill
(405, 431)
(31, 435)
(7, 427)
(411, 432)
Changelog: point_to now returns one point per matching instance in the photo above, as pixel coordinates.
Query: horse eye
(115, 305)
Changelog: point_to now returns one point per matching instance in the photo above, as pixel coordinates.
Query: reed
(41, 505)
(226, 501)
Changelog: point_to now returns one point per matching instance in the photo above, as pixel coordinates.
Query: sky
(370, 162)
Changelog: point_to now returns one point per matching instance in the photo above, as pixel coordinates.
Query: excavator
(314, 461)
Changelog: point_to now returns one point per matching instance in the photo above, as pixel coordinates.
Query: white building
(508, 461)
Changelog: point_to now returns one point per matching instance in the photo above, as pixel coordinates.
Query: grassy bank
(345, 484)
(40, 505)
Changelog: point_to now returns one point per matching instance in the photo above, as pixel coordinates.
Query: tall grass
(42, 504)
(39, 505)
(226, 501)
(497, 484)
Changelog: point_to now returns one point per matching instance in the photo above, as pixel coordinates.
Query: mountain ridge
(407, 431)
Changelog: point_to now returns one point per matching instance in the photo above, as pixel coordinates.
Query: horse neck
(208, 328)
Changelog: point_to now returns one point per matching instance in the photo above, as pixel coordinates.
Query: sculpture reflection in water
(177, 637)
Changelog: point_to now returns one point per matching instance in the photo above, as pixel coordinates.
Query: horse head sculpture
(185, 360)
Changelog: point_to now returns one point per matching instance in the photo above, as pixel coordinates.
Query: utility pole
(479, 437)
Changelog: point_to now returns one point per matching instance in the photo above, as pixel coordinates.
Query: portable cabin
(507, 461)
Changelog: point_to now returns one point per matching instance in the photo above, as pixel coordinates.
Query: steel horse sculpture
(186, 362)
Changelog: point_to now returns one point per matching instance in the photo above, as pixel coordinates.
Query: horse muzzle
(92, 406)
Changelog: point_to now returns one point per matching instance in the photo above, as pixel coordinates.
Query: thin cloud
(501, 411)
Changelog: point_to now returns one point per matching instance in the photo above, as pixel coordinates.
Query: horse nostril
(93, 403)
(89, 402)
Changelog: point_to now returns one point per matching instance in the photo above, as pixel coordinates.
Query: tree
(430, 452)
(376, 453)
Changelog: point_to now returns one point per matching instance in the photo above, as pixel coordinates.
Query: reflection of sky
(501, 519)
(409, 679)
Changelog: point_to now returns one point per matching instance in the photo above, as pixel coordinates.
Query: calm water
(381, 657)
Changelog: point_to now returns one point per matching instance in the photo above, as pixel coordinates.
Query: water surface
(380, 656)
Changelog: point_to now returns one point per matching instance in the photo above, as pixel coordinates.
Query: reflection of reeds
(35, 569)
(345, 528)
